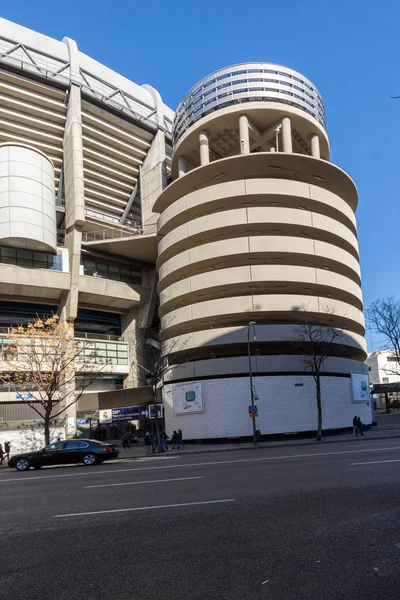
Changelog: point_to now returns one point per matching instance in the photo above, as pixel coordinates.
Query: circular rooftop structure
(247, 82)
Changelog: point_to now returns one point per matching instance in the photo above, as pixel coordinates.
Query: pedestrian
(360, 427)
(7, 449)
(125, 441)
(163, 438)
(180, 438)
(355, 425)
(154, 443)
(147, 442)
(1, 454)
(174, 440)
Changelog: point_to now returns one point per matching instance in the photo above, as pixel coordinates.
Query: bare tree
(383, 316)
(316, 344)
(39, 364)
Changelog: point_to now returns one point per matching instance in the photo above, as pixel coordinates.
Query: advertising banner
(360, 387)
(188, 398)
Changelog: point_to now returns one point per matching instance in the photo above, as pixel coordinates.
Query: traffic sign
(253, 412)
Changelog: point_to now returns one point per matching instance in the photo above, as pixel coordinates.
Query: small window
(72, 445)
(83, 445)
(55, 446)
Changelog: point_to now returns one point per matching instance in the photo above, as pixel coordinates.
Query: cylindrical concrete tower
(257, 225)
(27, 199)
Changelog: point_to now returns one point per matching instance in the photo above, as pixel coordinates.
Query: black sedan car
(88, 452)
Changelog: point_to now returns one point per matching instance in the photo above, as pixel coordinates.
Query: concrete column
(152, 181)
(130, 331)
(74, 196)
(182, 166)
(287, 135)
(315, 150)
(244, 135)
(204, 148)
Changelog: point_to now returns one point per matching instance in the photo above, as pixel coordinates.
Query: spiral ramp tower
(257, 226)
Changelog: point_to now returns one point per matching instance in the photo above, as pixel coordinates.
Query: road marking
(140, 482)
(119, 510)
(85, 473)
(264, 582)
(375, 462)
(21, 531)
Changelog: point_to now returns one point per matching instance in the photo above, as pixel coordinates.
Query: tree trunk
(47, 429)
(319, 406)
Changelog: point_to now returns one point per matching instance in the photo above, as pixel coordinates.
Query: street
(279, 523)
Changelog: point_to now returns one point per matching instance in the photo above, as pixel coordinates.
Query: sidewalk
(387, 428)
(376, 433)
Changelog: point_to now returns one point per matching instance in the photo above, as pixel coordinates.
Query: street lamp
(252, 325)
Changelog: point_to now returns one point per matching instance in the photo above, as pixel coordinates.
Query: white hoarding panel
(360, 387)
(188, 398)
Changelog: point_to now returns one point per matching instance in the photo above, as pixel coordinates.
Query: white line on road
(140, 482)
(85, 473)
(118, 510)
(374, 462)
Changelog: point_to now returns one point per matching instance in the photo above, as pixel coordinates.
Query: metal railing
(97, 336)
(111, 234)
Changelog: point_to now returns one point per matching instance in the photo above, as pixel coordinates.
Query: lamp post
(252, 325)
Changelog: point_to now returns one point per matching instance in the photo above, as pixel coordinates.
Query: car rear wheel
(22, 464)
(89, 460)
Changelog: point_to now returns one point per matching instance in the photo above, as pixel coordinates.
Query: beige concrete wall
(263, 236)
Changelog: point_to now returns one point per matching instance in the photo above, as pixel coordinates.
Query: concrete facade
(257, 226)
(84, 152)
(232, 214)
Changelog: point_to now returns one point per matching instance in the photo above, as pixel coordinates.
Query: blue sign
(24, 396)
(82, 421)
(253, 411)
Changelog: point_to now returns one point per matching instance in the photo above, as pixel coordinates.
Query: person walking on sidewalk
(7, 450)
(355, 424)
(359, 427)
(163, 438)
(1, 454)
(180, 439)
(147, 442)
(175, 440)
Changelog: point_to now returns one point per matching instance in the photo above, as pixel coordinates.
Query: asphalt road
(315, 522)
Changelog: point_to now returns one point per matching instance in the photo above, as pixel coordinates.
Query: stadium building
(84, 152)
(224, 214)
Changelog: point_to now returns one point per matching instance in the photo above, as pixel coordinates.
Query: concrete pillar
(74, 196)
(182, 166)
(315, 150)
(204, 148)
(152, 181)
(244, 135)
(130, 335)
(287, 135)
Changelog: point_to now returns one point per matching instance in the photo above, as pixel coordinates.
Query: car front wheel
(89, 460)
(22, 464)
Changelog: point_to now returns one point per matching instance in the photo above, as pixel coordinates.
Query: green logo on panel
(190, 396)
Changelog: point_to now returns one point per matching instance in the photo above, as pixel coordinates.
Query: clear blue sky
(349, 48)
